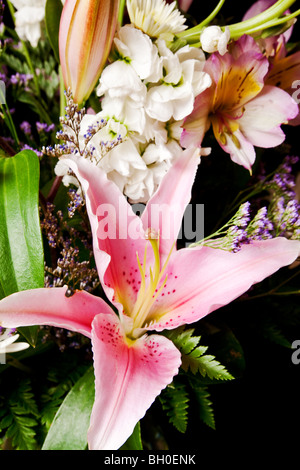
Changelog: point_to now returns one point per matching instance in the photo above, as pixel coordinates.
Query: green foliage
(205, 408)
(190, 387)
(20, 420)
(175, 401)
(134, 442)
(21, 247)
(193, 355)
(29, 403)
(52, 18)
(69, 428)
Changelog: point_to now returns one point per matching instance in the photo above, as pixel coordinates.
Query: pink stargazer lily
(244, 112)
(86, 32)
(152, 285)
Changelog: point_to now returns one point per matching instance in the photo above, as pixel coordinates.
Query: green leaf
(70, 425)
(52, 18)
(175, 400)
(205, 409)
(134, 442)
(21, 246)
(193, 356)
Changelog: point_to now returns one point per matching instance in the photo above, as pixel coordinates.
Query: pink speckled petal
(165, 210)
(50, 306)
(201, 280)
(129, 376)
(118, 234)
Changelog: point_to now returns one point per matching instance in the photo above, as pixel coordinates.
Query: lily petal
(128, 379)
(165, 209)
(201, 280)
(50, 306)
(114, 251)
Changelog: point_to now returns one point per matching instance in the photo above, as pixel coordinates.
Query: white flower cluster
(146, 92)
(7, 338)
(29, 17)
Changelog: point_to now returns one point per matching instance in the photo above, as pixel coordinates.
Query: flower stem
(121, 12)
(63, 101)
(10, 123)
(263, 20)
(266, 19)
(212, 15)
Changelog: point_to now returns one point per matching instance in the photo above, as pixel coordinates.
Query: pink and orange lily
(86, 32)
(242, 109)
(152, 285)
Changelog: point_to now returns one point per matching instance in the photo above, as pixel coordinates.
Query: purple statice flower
(43, 127)
(237, 237)
(283, 181)
(20, 79)
(284, 209)
(260, 228)
(27, 147)
(242, 217)
(76, 201)
(287, 218)
(3, 77)
(25, 126)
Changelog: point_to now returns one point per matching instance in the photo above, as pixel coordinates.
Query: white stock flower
(146, 93)
(213, 39)
(28, 19)
(119, 79)
(173, 96)
(29, 16)
(7, 338)
(137, 48)
(156, 18)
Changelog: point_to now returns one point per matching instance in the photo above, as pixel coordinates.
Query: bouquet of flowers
(149, 205)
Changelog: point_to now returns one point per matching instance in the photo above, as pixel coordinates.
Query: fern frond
(206, 412)
(21, 432)
(175, 402)
(193, 355)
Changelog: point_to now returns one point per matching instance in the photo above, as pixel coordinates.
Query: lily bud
(86, 32)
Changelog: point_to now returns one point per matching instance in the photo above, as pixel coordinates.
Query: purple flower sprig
(284, 208)
(240, 230)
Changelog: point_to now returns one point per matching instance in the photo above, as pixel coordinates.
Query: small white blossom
(156, 18)
(138, 49)
(28, 19)
(7, 338)
(119, 79)
(213, 39)
(173, 96)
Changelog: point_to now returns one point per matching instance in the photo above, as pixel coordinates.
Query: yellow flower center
(148, 294)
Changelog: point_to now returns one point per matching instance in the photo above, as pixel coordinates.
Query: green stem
(62, 93)
(270, 17)
(30, 65)
(212, 15)
(272, 13)
(236, 31)
(121, 12)
(10, 123)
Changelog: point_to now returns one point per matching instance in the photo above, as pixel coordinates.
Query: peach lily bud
(86, 32)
